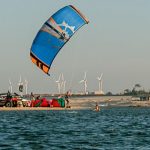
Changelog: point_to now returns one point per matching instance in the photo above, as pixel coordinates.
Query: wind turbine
(26, 86)
(59, 84)
(84, 81)
(100, 84)
(10, 86)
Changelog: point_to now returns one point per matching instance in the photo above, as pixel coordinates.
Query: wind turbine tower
(59, 84)
(84, 81)
(63, 83)
(26, 86)
(100, 84)
(10, 86)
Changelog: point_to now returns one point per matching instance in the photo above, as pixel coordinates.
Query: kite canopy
(55, 32)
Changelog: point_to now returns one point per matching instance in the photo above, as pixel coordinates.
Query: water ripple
(114, 128)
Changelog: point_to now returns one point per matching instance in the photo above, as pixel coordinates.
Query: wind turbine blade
(101, 76)
(62, 77)
(98, 78)
(20, 79)
(84, 75)
(81, 81)
(9, 82)
(59, 77)
(58, 81)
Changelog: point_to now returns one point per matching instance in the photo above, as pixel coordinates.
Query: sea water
(118, 128)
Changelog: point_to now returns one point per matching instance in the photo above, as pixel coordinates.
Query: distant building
(99, 93)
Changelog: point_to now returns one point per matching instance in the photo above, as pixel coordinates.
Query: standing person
(67, 99)
(32, 99)
(32, 96)
(9, 95)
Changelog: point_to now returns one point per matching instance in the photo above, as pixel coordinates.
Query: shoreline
(40, 108)
(135, 104)
(88, 103)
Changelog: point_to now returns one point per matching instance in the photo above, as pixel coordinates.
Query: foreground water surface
(111, 128)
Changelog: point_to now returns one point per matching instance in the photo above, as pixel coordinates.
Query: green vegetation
(137, 90)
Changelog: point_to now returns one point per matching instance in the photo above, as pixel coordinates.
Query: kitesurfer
(97, 108)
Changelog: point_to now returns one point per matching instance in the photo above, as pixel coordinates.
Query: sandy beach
(88, 103)
(109, 101)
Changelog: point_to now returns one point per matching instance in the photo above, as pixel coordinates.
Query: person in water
(97, 108)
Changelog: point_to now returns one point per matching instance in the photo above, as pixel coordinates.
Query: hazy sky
(115, 42)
